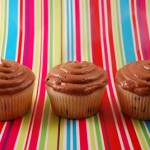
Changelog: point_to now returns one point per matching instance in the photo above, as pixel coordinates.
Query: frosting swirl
(76, 77)
(135, 77)
(14, 77)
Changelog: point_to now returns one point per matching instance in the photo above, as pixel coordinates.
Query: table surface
(41, 34)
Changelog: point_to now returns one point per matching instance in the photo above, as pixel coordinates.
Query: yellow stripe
(2, 6)
(64, 46)
(37, 48)
(115, 33)
(62, 133)
(57, 32)
(148, 15)
(84, 47)
(91, 131)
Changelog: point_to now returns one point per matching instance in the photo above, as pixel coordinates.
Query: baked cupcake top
(135, 77)
(76, 78)
(14, 77)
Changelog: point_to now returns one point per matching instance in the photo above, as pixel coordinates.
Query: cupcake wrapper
(15, 105)
(134, 105)
(74, 106)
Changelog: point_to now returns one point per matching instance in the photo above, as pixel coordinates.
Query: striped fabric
(43, 33)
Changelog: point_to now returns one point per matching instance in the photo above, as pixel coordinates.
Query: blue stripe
(12, 30)
(148, 125)
(68, 135)
(74, 135)
(72, 30)
(127, 31)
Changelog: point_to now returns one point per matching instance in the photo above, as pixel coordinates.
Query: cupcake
(16, 88)
(76, 89)
(133, 86)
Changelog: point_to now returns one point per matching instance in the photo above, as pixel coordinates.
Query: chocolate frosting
(14, 77)
(76, 78)
(135, 77)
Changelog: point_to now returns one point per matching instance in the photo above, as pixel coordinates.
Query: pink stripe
(29, 33)
(78, 44)
(38, 116)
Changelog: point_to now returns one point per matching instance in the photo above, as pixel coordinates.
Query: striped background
(43, 33)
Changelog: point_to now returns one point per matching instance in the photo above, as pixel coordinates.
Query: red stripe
(77, 17)
(135, 30)
(29, 33)
(83, 135)
(95, 32)
(103, 125)
(21, 30)
(1, 126)
(38, 114)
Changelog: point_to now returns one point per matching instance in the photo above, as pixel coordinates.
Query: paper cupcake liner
(134, 105)
(15, 105)
(74, 106)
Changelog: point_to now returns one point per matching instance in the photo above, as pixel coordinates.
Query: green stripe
(5, 25)
(88, 38)
(146, 134)
(51, 34)
(99, 140)
(44, 124)
(119, 33)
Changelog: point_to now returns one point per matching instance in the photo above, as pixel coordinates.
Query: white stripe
(78, 135)
(3, 129)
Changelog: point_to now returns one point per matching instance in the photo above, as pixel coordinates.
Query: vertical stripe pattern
(46, 33)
